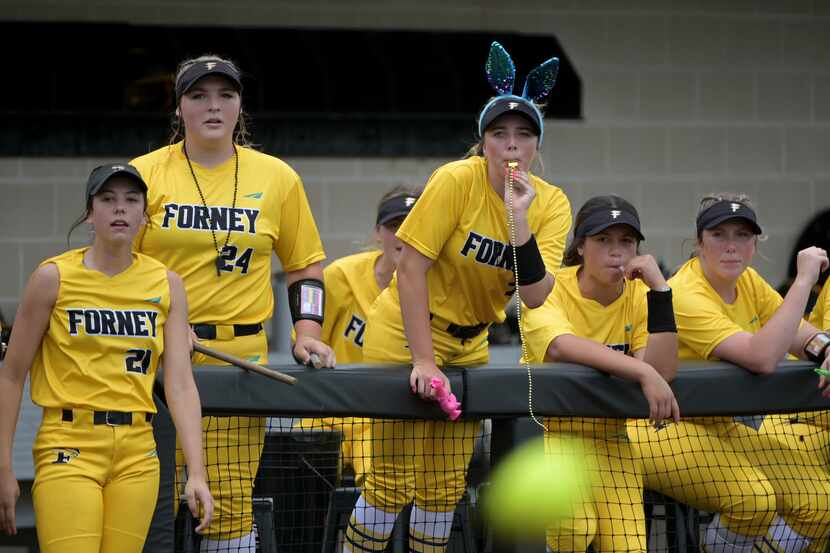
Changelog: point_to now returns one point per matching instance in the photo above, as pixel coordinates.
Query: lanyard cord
(219, 260)
(511, 167)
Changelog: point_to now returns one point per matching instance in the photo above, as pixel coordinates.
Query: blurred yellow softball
(537, 486)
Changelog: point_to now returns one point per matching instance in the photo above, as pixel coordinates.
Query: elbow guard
(307, 300)
(816, 347)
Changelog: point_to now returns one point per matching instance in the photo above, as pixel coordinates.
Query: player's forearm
(305, 327)
(774, 339)
(661, 353)
(522, 228)
(179, 387)
(11, 392)
(574, 349)
(414, 297)
(315, 271)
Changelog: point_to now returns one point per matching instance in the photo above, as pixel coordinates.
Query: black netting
(322, 482)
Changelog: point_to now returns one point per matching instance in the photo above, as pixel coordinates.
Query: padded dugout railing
(495, 393)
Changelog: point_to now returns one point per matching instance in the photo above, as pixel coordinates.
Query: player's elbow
(534, 295)
(313, 270)
(406, 277)
(760, 365)
(554, 353)
(752, 352)
(668, 371)
(765, 367)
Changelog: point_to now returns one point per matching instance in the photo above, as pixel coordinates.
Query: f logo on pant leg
(65, 455)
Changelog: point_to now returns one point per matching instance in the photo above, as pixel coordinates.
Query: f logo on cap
(735, 207)
(118, 167)
(512, 105)
(615, 213)
(409, 201)
(210, 65)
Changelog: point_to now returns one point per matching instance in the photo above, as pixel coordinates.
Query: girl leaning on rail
(764, 493)
(808, 432)
(93, 325)
(453, 280)
(353, 283)
(610, 309)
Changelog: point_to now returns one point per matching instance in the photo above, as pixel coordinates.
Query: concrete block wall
(681, 98)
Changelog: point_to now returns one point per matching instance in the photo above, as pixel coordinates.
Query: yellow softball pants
(694, 462)
(801, 472)
(612, 517)
(95, 485)
(232, 447)
(421, 461)
(720, 465)
(808, 433)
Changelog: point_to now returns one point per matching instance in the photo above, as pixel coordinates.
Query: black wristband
(307, 300)
(816, 347)
(660, 312)
(531, 265)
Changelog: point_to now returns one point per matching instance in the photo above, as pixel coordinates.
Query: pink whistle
(448, 402)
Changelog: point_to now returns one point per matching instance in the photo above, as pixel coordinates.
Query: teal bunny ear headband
(501, 74)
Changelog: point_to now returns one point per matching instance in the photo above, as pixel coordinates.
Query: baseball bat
(243, 364)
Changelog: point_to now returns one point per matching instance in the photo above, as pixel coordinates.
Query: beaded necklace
(220, 261)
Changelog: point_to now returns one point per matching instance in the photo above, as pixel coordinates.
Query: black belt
(111, 418)
(208, 332)
(463, 332)
(466, 332)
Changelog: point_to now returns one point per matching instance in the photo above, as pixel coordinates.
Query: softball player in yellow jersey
(808, 432)
(454, 279)
(93, 325)
(352, 285)
(820, 316)
(219, 210)
(610, 309)
(726, 311)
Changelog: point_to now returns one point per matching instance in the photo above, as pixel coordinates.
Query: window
(106, 89)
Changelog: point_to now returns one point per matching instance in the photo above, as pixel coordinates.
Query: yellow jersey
(271, 214)
(820, 316)
(621, 326)
(105, 337)
(460, 223)
(351, 288)
(704, 320)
